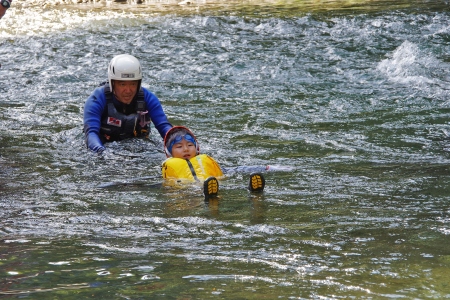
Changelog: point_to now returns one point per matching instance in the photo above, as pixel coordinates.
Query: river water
(353, 95)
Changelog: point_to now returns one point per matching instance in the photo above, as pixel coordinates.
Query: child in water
(185, 163)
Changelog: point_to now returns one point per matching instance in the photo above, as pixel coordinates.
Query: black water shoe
(256, 182)
(211, 188)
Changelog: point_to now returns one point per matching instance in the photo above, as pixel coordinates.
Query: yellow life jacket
(197, 168)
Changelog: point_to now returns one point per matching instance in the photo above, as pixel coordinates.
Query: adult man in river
(122, 108)
(4, 5)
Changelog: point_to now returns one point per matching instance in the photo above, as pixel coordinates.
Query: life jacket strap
(191, 167)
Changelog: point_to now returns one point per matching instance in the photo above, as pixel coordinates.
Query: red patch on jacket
(114, 122)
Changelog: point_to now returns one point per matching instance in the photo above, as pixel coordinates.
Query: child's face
(184, 149)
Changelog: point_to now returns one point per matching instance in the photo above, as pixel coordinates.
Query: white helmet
(124, 67)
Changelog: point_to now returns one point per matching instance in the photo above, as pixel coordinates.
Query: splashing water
(348, 101)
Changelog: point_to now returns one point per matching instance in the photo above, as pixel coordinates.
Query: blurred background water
(352, 94)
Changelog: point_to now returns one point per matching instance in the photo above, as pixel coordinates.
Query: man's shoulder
(98, 95)
(148, 93)
(98, 89)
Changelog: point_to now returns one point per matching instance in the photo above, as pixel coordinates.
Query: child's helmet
(173, 133)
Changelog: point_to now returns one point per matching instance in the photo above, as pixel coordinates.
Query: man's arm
(93, 110)
(156, 113)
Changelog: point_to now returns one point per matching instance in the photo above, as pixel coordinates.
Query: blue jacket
(95, 107)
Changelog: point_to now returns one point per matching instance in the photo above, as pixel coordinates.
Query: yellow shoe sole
(257, 182)
(211, 187)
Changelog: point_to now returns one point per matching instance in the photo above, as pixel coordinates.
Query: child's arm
(256, 169)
